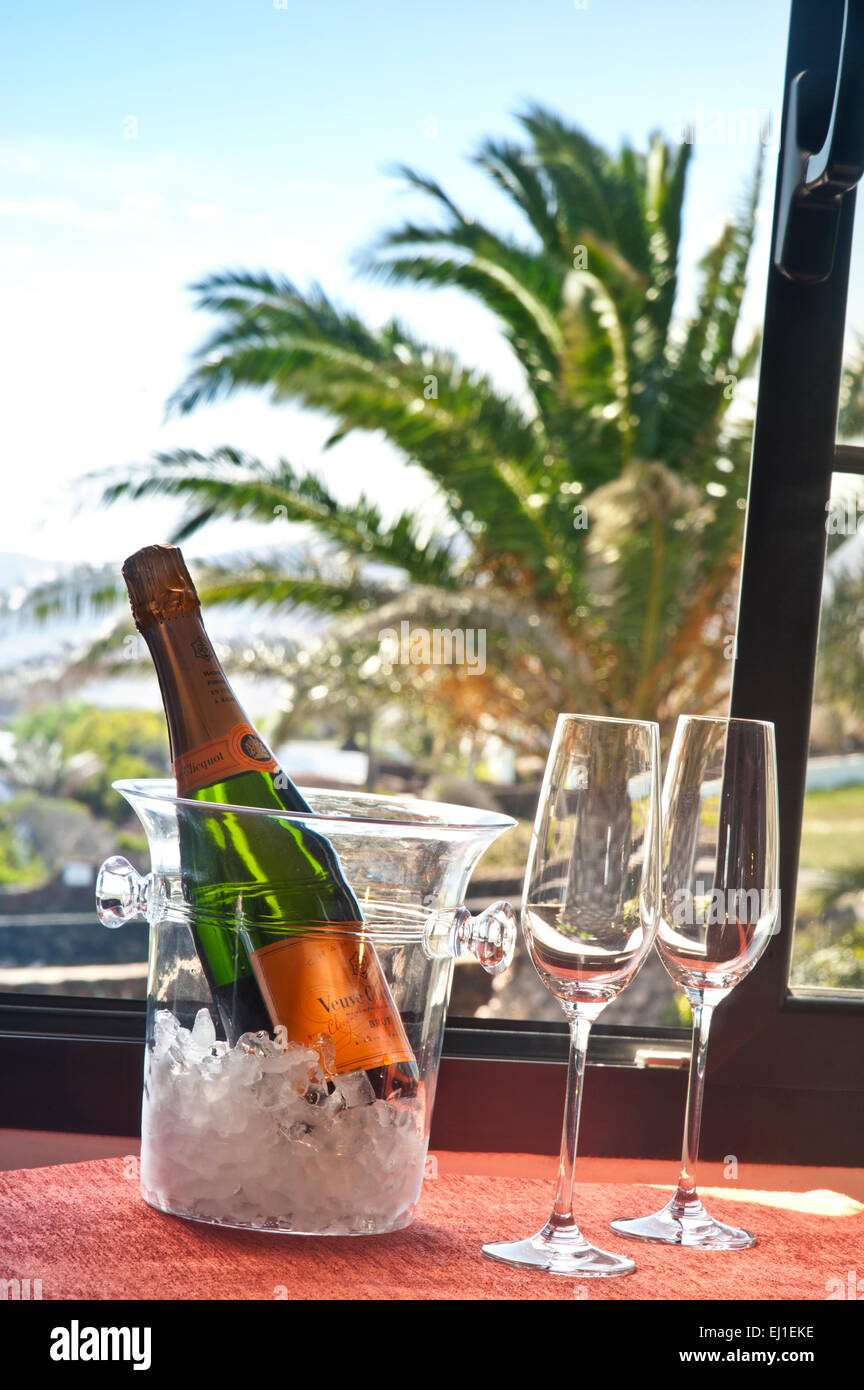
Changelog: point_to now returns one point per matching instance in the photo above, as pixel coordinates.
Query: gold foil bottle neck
(160, 586)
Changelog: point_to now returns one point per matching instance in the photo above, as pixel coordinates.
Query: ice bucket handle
(121, 893)
(490, 936)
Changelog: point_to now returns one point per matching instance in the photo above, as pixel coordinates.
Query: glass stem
(562, 1213)
(687, 1196)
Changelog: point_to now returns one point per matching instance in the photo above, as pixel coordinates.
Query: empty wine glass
(589, 916)
(721, 901)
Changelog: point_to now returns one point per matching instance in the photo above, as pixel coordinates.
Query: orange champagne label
(237, 751)
(331, 984)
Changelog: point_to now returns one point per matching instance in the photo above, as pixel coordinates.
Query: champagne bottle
(259, 907)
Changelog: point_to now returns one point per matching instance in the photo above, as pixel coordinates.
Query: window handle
(813, 183)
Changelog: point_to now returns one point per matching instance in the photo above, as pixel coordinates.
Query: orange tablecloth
(83, 1230)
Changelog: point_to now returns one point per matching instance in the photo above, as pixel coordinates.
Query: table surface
(82, 1230)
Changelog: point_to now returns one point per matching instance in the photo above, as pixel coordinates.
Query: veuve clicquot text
(261, 889)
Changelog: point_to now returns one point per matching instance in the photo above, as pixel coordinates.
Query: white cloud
(144, 202)
(62, 210)
(204, 212)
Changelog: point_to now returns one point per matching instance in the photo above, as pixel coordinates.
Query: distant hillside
(23, 571)
(41, 650)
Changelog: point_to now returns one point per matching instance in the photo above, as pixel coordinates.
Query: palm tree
(590, 526)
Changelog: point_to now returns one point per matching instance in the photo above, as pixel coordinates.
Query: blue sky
(142, 146)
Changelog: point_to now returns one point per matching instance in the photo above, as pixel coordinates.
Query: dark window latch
(812, 184)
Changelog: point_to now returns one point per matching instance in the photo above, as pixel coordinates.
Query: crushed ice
(254, 1136)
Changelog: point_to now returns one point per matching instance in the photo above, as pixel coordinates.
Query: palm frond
(88, 591)
(265, 582)
(475, 443)
(519, 174)
(228, 483)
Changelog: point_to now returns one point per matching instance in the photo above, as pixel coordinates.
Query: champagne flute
(720, 907)
(589, 915)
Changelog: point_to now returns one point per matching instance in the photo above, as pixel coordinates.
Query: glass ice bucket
(263, 1131)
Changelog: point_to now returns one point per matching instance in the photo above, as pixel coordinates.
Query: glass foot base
(560, 1251)
(691, 1227)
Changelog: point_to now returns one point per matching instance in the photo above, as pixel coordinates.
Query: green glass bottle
(262, 890)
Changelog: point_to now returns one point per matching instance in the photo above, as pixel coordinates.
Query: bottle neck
(199, 703)
(210, 735)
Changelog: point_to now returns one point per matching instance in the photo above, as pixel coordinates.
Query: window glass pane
(525, 386)
(829, 929)
(828, 948)
(850, 421)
